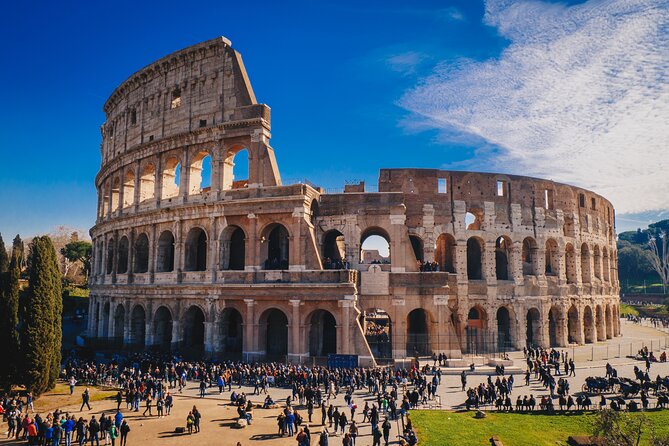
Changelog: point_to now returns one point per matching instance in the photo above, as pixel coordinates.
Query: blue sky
(353, 87)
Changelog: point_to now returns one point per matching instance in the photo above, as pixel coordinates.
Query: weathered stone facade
(257, 268)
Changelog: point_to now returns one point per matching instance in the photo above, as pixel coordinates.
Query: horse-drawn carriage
(598, 384)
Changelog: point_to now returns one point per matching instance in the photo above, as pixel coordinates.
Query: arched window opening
(200, 174)
(597, 257)
(276, 246)
(322, 334)
(122, 264)
(418, 340)
(529, 257)
(138, 327)
(274, 334)
(417, 246)
(570, 263)
(334, 250)
(196, 250)
(110, 256)
(231, 333)
(475, 331)
(171, 178)
(147, 183)
(474, 259)
(314, 211)
(586, 276)
(141, 254)
(552, 258)
(445, 253)
(193, 332)
(533, 327)
(162, 329)
(233, 249)
(378, 333)
(115, 191)
(504, 338)
(165, 258)
(474, 219)
(502, 251)
(374, 246)
(573, 325)
(129, 189)
(606, 266)
(236, 170)
(552, 327)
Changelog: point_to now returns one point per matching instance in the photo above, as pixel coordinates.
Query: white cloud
(580, 95)
(405, 63)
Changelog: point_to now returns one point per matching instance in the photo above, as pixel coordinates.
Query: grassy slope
(440, 428)
(626, 309)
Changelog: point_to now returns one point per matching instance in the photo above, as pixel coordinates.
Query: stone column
(184, 180)
(148, 325)
(158, 186)
(153, 253)
(517, 263)
(126, 322)
(250, 347)
(461, 261)
(345, 339)
(294, 347)
(176, 334)
(398, 259)
(253, 261)
(489, 263)
(138, 185)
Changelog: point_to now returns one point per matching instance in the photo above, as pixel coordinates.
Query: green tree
(9, 323)
(633, 261)
(4, 259)
(619, 428)
(79, 251)
(41, 331)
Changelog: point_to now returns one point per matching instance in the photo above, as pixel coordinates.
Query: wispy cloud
(580, 95)
(405, 63)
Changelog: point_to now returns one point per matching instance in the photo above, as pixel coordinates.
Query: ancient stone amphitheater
(191, 255)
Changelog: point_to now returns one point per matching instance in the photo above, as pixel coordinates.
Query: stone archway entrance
(533, 335)
(418, 338)
(322, 333)
(231, 333)
(162, 329)
(193, 333)
(504, 337)
(274, 334)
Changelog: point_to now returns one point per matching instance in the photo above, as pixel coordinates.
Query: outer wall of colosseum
(190, 256)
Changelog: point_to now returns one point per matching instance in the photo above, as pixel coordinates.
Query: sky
(574, 91)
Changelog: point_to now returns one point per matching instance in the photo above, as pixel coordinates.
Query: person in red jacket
(32, 434)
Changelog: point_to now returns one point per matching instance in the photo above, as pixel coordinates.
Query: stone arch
(233, 249)
(418, 333)
(529, 256)
(147, 183)
(231, 331)
(606, 266)
(600, 324)
(505, 329)
(476, 330)
(110, 256)
(196, 250)
(314, 211)
(119, 324)
(574, 325)
(570, 264)
(502, 258)
(322, 333)
(275, 246)
(552, 267)
(122, 255)
(554, 332)
(445, 253)
(597, 262)
(193, 332)
(273, 336)
(372, 236)
(128, 188)
(609, 322)
(199, 173)
(162, 328)
(378, 328)
(236, 168)
(586, 276)
(475, 258)
(170, 178)
(165, 257)
(533, 332)
(417, 247)
(141, 254)
(589, 332)
(474, 218)
(334, 249)
(138, 326)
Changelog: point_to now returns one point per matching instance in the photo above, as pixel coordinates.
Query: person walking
(148, 405)
(125, 428)
(385, 427)
(113, 434)
(94, 431)
(196, 419)
(85, 397)
(189, 422)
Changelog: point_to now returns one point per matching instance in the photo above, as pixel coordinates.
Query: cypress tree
(4, 258)
(9, 321)
(41, 319)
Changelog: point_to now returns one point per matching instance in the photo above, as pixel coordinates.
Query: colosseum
(193, 254)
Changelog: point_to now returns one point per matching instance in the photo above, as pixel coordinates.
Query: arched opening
(589, 326)
(573, 325)
(445, 253)
(276, 247)
(193, 332)
(115, 193)
(570, 264)
(119, 325)
(129, 189)
(104, 206)
(474, 219)
(200, 173)
(418, 338)
(322, 333)
(504, 337)
(378, 333)
(552, 327)
(597, 258)
(138, 327)
(417, 246)
(236, 169)
(162, 329)
(334, 250)
(314, 211)
(474, 259)
(231, 333)
(606, 267)
(586, 276)
(122, 257)
(502, 251)
(374, 246)
(105, 321)
(609, 323)
(552, 258)
(147, 183)
(274, 333)
(141, 254)
(196, 250)
(110, 256)
(233, 249)
(171, 178)
(476, 330)
(529, 256)
(165, 257)
(533, 335)
(599, 323)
